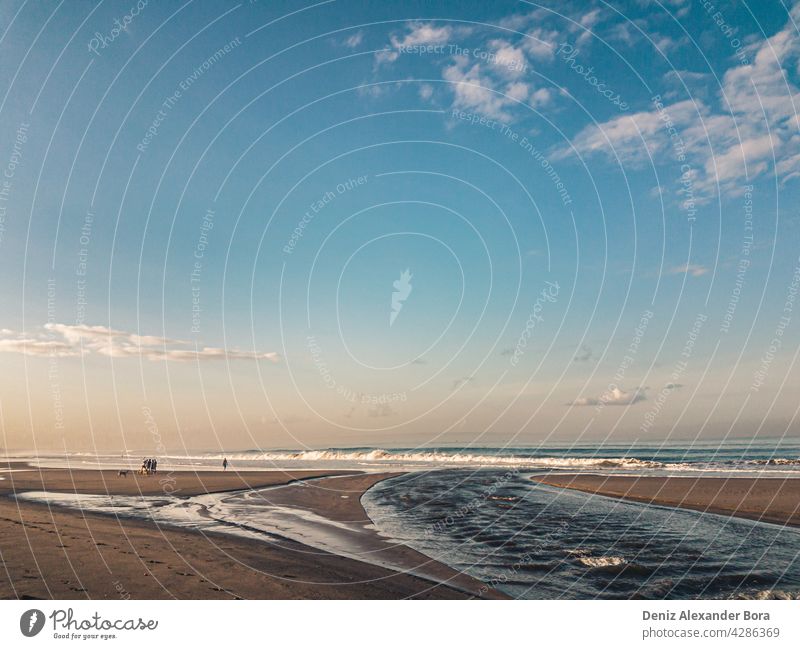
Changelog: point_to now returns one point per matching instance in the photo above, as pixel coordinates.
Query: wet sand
(49, 552)
(21, 477)
(770, 500)
(339, 499)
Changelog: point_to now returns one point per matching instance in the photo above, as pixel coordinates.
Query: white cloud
(426, 91)
(789, 166)
(540, 43)
(518, 91)
(371, 90)
(354, 40)
(687, 76)
(492, 77)
(665, 44)
(386, 56)
(541, 97)
(506, 59)
(755, 121)
(615, 397)
(64, 340)
(629, 136)
(419, 33)
(475, 91)
(681, 6)
(590, 19)
(425, 34)
(587, 22)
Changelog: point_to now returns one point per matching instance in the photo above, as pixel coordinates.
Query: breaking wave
(741, 459)
(465, 459)
(775, 462)
(430, 457)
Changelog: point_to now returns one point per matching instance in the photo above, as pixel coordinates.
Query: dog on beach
(122, 473)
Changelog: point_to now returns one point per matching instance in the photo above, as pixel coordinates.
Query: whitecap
(602, 562)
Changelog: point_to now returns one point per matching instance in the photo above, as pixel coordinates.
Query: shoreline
(20, 476)
(356, 530)
(42, 545)
(766, 500)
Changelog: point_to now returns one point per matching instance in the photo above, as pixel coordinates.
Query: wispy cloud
(584, 354)
(756, 120)
(354, 40)
(64, 340)
(695, 270)
(34, 347)
(457, 383)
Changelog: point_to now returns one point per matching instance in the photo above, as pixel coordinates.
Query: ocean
(778, 457)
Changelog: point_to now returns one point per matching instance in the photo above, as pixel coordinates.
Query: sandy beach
(57, 552)
(772, 500)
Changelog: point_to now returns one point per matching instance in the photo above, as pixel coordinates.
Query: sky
(325, 224)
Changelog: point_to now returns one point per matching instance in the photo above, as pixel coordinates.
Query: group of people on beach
(149, 466)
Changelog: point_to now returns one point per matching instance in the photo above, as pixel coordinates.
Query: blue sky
(220, 199)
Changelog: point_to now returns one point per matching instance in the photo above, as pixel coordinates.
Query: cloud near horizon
(64, 341)
(615, 397)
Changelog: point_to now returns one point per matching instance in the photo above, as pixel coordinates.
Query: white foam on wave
(602, 562)
(379, 456)
(379, 459)
(770, 594)
(780, 461)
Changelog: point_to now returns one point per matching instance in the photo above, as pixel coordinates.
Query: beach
(392, 533)
(55, 552)
(768, 500)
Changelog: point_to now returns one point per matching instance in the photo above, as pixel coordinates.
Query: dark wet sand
(770, 500)
(54, 552)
